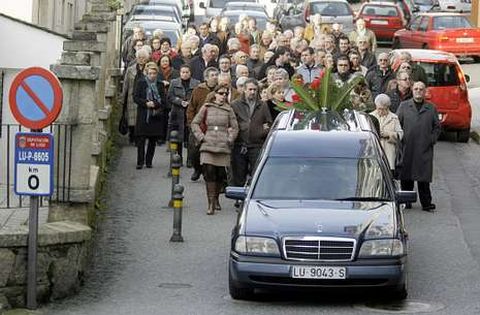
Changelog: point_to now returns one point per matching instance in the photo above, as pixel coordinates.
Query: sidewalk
(474, 95)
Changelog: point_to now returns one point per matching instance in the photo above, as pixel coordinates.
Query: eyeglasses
(382, 59)
(406, 67)
(223, 93)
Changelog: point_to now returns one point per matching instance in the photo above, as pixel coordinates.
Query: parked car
(455, 5)
(383, 18)
(153, 12)
(282, 7)
(408, 7)
(261, 17)
(292, 16)
(451, 32)
(321, 211)
(332, 11)
(245, 6)
(214, 7)
(446, 88)
(168, 25)
(186, 6)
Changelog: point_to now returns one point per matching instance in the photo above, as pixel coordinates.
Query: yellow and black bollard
(175, 172)
(173, 146)
(177, 213)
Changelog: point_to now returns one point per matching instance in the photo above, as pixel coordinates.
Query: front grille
(318, 248)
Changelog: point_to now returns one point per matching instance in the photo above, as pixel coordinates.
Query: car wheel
(463, 135)
(396, 43)
(237, 292)
(476, 59)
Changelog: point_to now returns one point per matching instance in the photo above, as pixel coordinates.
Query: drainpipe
(475, 14)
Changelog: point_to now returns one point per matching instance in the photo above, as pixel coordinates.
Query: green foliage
(115, 4)
(326, 94)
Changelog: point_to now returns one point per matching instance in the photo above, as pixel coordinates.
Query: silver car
(332, 11)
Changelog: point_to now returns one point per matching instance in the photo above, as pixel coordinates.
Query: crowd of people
(219, 87)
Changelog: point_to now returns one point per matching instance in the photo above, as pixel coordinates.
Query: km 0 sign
(34, 164)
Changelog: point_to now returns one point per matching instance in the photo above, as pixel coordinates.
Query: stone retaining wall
(62, 259)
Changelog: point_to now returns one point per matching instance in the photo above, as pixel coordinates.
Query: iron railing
(63, 140)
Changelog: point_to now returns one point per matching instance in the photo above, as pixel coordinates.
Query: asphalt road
(136, 270)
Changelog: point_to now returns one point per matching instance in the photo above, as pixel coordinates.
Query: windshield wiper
(363, 199)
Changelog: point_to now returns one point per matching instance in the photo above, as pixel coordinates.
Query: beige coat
(390, 133)
(127, 94)
(222, 129)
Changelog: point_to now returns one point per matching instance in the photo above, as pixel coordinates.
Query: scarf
(166, 72)
(152, 95)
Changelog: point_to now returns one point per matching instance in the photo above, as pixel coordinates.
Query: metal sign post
(35, 100)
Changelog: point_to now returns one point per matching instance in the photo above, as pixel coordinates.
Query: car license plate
(464, 40)
(315, 272)
(379, 22)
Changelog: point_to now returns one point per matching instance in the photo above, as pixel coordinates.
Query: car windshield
(330, 8)
(380, 10)
(424, 2)
(222, 3)
(447, 22)
(441, 74)
(321, 178)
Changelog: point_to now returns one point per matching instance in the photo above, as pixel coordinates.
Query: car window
(441, 74)
(222, 3)
(320, 178)
(330, 8)
(424, 24)
(377, 10)
(447, 22)
(415, 23)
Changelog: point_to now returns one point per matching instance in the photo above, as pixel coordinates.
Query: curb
(475, 135)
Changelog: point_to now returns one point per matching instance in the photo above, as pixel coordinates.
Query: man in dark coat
(281, 59)
(254, 121)
(421, 128)
(402, 92)
(378, 77)
(198, 64)
(206, 37)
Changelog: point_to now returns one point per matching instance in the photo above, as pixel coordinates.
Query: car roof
(380, 4)
(442, 14)
(315, 143)
(428, 55)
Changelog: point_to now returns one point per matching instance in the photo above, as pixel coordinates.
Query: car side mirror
(404, 196)
(202, 5)
(467, 78)
(236, 193)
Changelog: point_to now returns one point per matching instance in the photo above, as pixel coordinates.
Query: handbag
(203, 123)
(123, 123)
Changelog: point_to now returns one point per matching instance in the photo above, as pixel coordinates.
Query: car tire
(396, 43)
(476, 59)
(463, 135)
(237, 292)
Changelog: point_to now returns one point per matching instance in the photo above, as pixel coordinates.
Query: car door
(421, 38)
(406, 40)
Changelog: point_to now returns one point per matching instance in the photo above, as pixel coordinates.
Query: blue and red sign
(34, 158)
(35, 98)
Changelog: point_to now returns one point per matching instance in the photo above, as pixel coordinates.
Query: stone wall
(62, 259)
(90, 77)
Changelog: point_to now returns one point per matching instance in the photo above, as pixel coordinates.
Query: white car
(455, 5)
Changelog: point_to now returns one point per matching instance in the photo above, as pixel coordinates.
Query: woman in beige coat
(390, 130)
(215, 127)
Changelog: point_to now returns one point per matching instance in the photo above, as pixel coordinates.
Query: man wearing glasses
(402, 92)
(417, 72)
(378, 77)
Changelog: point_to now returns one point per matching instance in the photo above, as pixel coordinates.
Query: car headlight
(256, 245)
(379, 230)
(373, 248)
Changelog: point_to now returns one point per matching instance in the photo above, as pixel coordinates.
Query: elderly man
(254, 121)
(419, 120)
(254, 60)
(362, 31)
(378, 77)
(402, 92)
(199, 94)
(417, 71)
(367, 58)
(198, 64)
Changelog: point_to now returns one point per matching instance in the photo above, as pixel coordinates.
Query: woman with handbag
(215, 127)
(150, 98)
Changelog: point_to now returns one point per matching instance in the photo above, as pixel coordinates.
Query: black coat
(176, 94)
(421, 129)
(155, 126)
(377, 80)
(198, 66)
(210, 39)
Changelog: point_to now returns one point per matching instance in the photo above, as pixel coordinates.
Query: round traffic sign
(35, 98)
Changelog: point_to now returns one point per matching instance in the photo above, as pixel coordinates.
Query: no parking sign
(35, 101)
